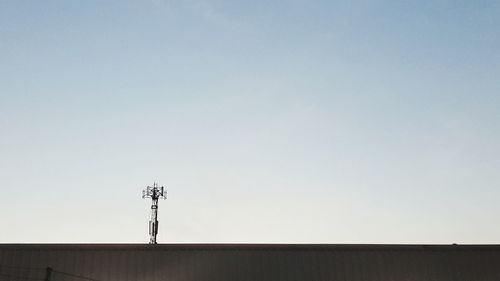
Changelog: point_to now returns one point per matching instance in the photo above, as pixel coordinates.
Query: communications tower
(154, 192)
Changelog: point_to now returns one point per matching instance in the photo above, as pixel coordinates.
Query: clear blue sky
(269, 121)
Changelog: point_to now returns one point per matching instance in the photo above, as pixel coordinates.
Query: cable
(22, 268)
(18, 277)
(39, 268)
(74, 275)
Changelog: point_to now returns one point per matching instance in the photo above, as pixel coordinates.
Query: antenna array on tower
(154, 192)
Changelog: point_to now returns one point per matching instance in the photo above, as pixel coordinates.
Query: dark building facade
(249, 262)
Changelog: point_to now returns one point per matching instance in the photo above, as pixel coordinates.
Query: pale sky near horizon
(268, 121)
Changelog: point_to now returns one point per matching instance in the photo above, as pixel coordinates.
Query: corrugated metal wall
(250, 262)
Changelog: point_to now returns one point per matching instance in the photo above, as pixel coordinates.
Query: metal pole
(153, 229)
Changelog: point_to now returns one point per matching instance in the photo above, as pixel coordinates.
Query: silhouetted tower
(154, 192)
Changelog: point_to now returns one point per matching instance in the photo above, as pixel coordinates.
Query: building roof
(252, 262)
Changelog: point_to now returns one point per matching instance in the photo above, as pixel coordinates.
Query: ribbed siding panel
(251, 262)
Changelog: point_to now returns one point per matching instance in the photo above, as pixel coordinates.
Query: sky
(268, 121)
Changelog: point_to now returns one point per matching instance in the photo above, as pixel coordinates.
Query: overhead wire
(21, 267)
(74, 275)
(9, 277)
(29, 270)
(8, 272)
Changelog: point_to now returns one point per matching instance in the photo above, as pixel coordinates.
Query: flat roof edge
(245, 246)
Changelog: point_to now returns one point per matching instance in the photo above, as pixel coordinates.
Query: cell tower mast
(154, 192)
